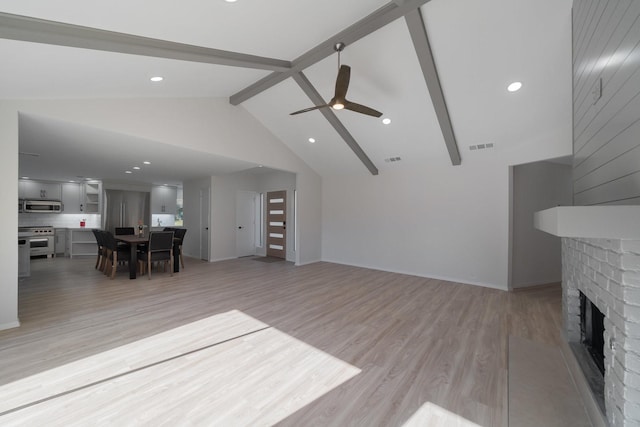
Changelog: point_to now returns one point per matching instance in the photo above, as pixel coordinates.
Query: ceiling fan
(339, 100)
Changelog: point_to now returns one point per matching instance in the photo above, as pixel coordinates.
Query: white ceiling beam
(376, 20)
(420, 39)
(331, 117)
(24, 28)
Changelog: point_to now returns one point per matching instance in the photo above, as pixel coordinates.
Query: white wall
(537, 255)
(309, 219)
(9, 218)
(191, 205)
(223, 212)
(204, 124)
(437, 221)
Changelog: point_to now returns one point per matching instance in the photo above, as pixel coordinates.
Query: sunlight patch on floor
(200, 373)
(433, 415)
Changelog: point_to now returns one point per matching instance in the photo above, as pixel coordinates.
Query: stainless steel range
(41, 240)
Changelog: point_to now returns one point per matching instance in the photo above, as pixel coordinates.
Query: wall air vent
(392, 159)
(481, 146)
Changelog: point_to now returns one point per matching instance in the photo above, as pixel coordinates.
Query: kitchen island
(81, 242)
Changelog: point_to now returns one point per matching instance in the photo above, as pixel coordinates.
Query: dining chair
(98, 235)
(178, 234)
(124, 231)
(103, 259)
(159, 248)
(112, 252)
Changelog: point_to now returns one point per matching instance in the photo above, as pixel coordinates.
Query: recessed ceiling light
(514, 87)
(136, 167)
(312, 140)
(386, 121)
(157, 79)
(260, 166)
(25, 177)
(128, 172)
(71, 180)
(146, 163)
(230, 1)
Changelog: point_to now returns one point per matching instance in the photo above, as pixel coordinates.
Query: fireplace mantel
(594, 222)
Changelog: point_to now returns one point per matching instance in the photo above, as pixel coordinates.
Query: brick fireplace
(601, 259)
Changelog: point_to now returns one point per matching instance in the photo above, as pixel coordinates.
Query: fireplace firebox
(592, 331)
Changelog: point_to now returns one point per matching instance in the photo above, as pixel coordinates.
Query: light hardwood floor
(243, 342)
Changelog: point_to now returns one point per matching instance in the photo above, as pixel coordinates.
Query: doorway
(245, 223)
(277, 224)
(535, 257)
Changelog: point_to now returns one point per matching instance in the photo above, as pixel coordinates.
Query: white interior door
(204, 223)
(245, 223)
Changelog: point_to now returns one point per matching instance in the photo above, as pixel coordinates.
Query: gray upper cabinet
(34, 190)
(71, 197)
(164, 200)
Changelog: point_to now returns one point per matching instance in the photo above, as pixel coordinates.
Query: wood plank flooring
(242, 342)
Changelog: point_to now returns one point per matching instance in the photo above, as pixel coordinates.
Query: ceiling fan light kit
(339, 100)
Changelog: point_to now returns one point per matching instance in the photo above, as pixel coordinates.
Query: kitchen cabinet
(71, 197)
(61, 242)
(82, 241)
(91, 197)
(36, 190)
(164, 200)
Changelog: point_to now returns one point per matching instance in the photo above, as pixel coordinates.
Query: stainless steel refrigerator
(125, 209)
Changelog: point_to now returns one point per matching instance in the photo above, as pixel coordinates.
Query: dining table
(134, 240)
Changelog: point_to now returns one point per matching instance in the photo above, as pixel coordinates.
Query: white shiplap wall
(606, 141)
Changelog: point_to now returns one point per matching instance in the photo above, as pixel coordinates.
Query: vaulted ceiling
(479, 47)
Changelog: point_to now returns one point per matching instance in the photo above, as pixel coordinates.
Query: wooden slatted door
(277, 224)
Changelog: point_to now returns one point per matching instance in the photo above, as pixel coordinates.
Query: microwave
(42, 206)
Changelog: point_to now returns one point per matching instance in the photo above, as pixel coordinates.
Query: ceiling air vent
(392, 159)
(481, 146)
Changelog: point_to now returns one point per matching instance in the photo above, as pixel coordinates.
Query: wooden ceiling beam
(24, 28)
(418, 32)
(376, 20)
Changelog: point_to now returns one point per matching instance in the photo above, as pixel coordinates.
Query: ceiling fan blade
(309, 109)
(358, 108)
(342, 82)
